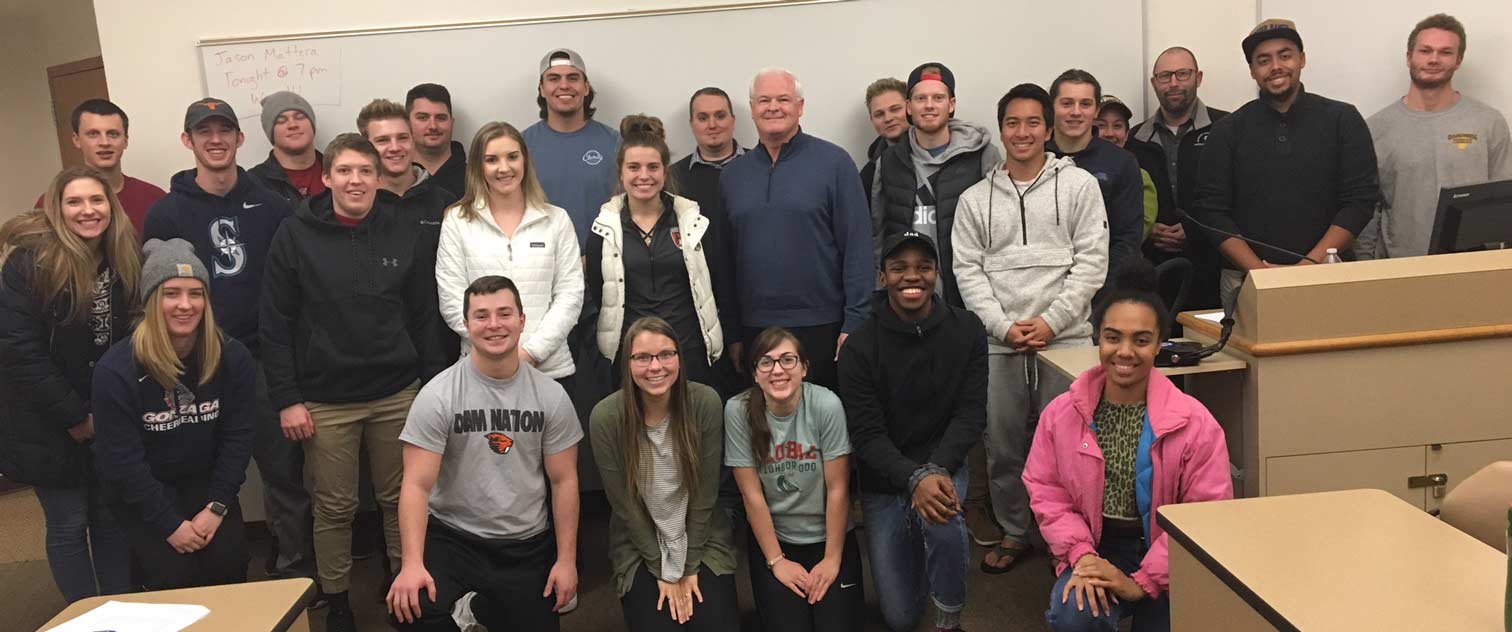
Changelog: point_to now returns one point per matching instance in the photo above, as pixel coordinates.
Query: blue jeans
(1150, 615)
(86, 550)
(900, 543)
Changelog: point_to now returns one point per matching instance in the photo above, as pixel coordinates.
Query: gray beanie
(280, 102)
(163, 260)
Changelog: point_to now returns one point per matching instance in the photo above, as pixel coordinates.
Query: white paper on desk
(121, 616)
(1212, 317)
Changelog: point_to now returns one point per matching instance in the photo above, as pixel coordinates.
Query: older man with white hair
(801, 230)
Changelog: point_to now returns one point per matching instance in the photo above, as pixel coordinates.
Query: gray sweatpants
(1016, 393)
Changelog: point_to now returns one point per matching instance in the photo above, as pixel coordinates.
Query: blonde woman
(504, 226)
(67, 291)
(173, 406)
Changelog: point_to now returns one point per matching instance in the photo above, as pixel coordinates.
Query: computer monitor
(1474, 217)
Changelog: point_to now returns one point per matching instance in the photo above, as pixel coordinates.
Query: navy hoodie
(231, 234)
(1117, 173)
(144, 445)
(914, 393)
(349, 312)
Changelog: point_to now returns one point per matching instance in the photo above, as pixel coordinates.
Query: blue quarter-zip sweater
(801, 234)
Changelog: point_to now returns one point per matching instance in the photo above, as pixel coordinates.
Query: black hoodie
(231, 234)
(349, 312)
(425, 203)
(914, 393)
(452, 176)
(273, 176)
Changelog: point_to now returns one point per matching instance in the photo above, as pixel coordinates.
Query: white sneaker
(571, 605)
(462, 614)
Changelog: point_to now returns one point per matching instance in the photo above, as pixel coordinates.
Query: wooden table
(270, 606)
(1333, 561)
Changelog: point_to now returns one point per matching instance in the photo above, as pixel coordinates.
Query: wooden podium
(1392, 374)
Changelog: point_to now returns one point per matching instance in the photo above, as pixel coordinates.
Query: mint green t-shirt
(793, 481)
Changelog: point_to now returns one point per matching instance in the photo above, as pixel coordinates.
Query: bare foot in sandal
(1003, 556)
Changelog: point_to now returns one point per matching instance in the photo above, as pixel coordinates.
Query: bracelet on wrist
(772, 563)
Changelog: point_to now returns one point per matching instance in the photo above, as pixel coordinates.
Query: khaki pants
(341, 431)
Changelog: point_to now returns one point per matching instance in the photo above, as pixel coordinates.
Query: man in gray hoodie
(921, 177)
(1031, 248)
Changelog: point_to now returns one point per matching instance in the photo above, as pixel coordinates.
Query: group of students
(767, 314)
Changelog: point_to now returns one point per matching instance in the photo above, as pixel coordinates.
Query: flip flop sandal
(1012, 553)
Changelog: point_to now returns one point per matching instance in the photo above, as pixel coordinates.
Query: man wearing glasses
(1179, 129)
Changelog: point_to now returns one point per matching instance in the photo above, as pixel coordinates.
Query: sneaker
(320, 600)
(571, 605)
(340, 620)
(983, 529)
(462, 614)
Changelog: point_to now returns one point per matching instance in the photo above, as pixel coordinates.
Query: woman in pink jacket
(1106, 456)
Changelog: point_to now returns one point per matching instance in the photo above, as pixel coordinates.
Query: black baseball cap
(208, 108)
(931, 70)
(897, 241)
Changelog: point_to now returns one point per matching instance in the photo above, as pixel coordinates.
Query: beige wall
(35, 34)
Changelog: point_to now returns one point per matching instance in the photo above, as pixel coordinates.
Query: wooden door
(71, 84)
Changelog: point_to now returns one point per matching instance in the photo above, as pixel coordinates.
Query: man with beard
(1290, 168)
(923, 174)
(1178, 132)
(292, 169)
(1432, 138)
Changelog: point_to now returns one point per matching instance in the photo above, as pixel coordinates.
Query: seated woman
(652, 253)
(657, 442)
(1107, 455)
(68, 292)
(173, 407)
(790, 449)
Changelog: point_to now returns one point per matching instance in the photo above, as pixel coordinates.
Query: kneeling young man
(472, 509)
(914, 385)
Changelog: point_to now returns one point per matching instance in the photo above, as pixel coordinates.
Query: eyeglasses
(788, 362)
(644, 359)
(1181, 75)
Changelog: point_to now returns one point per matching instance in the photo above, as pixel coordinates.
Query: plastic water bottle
(1333, 256)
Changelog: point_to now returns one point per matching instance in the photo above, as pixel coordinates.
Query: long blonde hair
(153, 348)
(476, 195)
(681, 426)
(65, 265)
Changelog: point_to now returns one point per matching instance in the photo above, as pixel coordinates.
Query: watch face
(218, 509)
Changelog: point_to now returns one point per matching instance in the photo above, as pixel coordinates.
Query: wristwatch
(218, 508)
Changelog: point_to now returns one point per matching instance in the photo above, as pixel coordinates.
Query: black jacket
(45, 368)
(869, 170)
(452, 176)
(349, 313)
(145, 446)
(1199, 249)
(426, 203)
(914, 393)
(231, 234)
(899, 189)
(1122, 188)
(273, 176)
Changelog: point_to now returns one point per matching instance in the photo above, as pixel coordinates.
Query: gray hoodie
(1043, 255)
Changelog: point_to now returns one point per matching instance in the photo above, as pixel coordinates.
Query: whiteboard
(653, 64)
(1360, 56)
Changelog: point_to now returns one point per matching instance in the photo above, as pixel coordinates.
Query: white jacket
(1044, 255)
(693, 225)
(542, 260)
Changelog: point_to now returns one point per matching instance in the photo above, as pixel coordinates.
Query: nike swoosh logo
(845, 585)
(246, 205)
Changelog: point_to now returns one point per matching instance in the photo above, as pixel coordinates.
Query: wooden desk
(1333, 561)
(270, 606)
(1073, 361)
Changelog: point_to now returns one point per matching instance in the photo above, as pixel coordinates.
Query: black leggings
(508, 576)
(718, 612)
(843, 608)
(222, 561)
